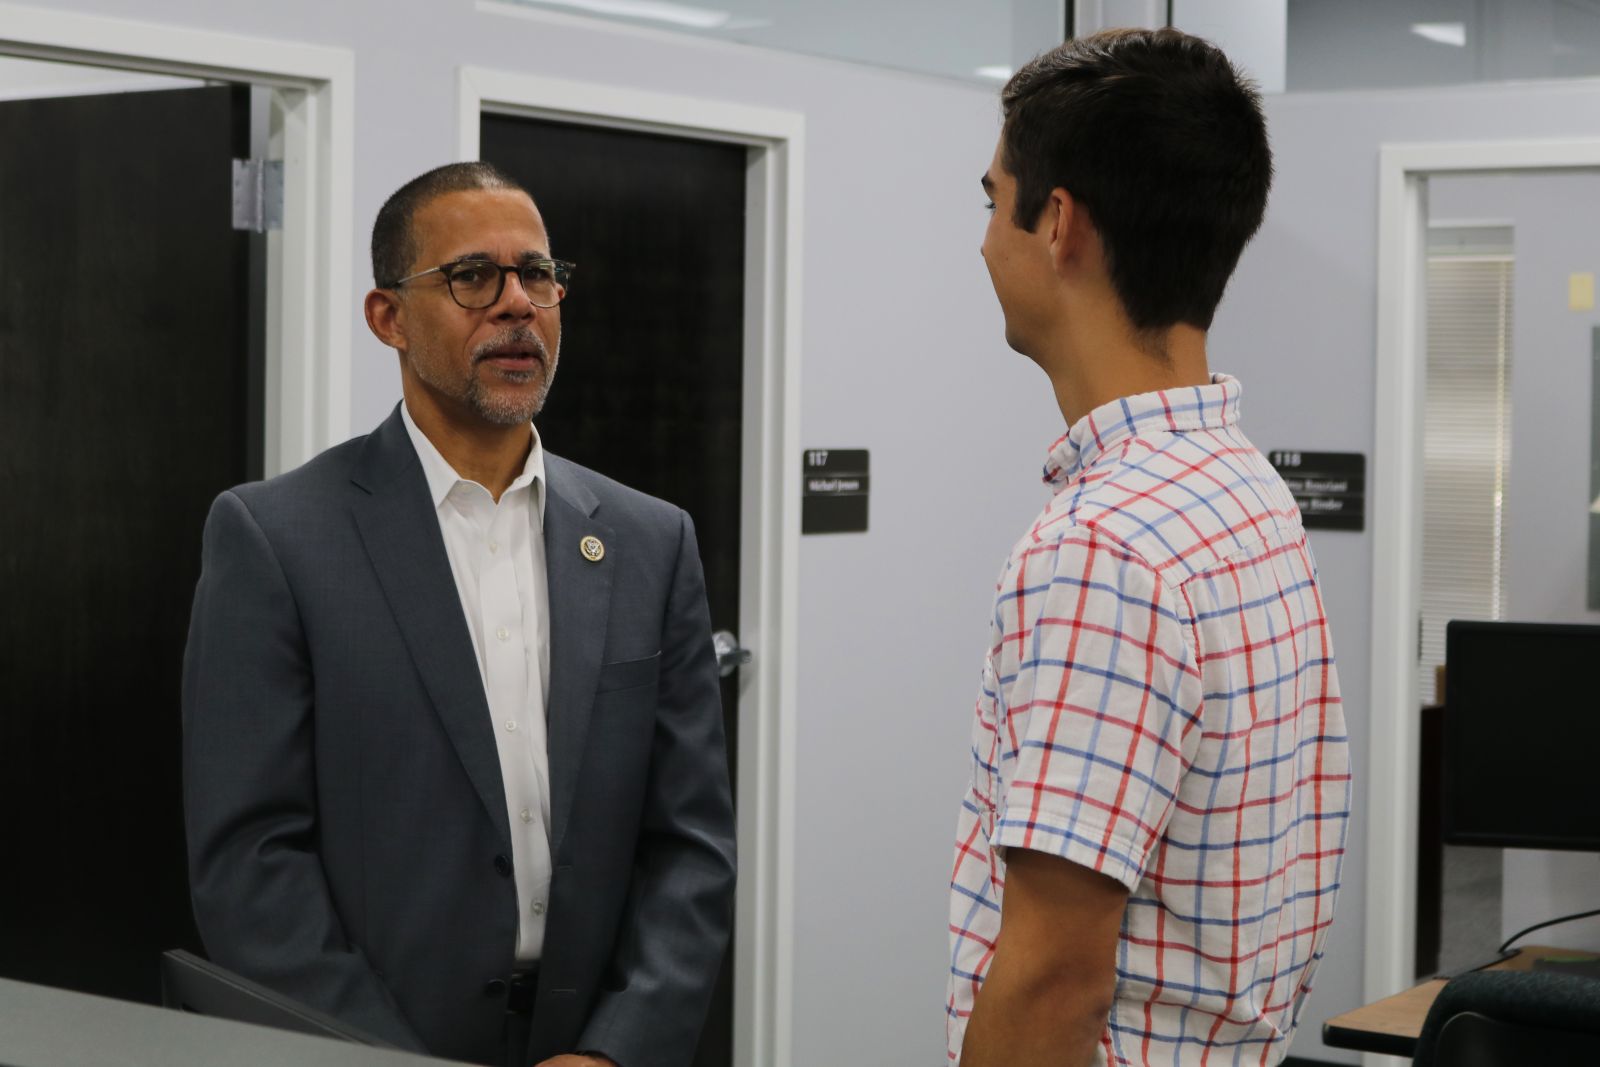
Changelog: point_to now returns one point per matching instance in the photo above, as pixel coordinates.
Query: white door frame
(770, 486)
(309, 259)
(1393, 743)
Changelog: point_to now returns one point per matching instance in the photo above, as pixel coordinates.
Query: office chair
(1513, 1019)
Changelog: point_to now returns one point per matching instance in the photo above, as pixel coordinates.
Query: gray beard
(507, 410)
(499, 409)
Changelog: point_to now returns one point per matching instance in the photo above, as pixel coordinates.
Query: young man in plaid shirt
(1148, 855)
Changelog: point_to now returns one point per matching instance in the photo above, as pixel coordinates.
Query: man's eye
(988, 205)
(537, 274)
(467, 275)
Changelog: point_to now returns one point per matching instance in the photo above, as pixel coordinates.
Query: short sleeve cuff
(1077, 840)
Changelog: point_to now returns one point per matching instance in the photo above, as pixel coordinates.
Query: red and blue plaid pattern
(1160, 704)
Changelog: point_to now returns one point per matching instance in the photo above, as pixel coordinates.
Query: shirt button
(494, 546)
(511, 724)
(502, 865)
(538, 907)
(527, 816)
(502, 633)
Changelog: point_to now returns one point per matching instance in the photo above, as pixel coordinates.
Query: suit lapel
(580, 605)
(400, 531)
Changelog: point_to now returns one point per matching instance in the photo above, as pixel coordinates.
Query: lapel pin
(593, 549)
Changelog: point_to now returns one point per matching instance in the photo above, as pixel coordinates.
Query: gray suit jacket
(347, 827)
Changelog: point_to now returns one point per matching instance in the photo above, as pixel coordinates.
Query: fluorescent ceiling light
(698, 18)
(1453, 33)
(999, 74)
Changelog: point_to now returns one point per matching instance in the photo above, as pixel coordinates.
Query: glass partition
(980, 42)
(1353, 44)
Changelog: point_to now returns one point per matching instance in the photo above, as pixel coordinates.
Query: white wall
(1556, 232)
(1299, 328)
(903, 356)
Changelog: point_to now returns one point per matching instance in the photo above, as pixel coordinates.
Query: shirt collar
(1199, 407)
(442, 477)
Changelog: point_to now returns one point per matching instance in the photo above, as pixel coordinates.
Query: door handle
(730, 657)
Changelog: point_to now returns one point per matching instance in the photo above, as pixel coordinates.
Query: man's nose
(514, 300)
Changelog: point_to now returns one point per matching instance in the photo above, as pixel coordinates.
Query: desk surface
(1393, 1024)
(45, 1027)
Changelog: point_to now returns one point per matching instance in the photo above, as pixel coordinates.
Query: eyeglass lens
(478, 285)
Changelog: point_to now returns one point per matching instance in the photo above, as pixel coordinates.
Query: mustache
(519, 336)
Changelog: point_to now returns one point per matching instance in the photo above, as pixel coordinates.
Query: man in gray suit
(453, 753)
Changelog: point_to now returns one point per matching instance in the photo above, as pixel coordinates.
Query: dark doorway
(129, 398)
(650, 387)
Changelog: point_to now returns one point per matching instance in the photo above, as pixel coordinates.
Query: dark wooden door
(127, 402)
(650, 386)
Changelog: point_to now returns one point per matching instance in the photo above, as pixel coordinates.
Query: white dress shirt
(496, 553)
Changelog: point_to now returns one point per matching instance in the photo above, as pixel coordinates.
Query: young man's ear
(1069, 227)
(384, 317)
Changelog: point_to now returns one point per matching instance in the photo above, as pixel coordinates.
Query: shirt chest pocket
(628, 674)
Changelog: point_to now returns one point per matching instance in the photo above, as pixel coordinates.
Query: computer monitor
(1522, 735)
(190, 983)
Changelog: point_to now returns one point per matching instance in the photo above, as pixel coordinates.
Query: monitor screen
(1522, 735)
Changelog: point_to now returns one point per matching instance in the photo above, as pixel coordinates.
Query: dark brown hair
(1163, 142)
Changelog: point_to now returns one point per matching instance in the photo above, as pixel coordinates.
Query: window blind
(1467, 438)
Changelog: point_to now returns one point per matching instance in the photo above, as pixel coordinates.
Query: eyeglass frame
(560, 270)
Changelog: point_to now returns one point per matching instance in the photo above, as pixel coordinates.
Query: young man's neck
(1096, 362)
(479, 451)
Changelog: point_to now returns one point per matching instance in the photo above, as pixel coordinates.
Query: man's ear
(1068, 225)
(385, 317)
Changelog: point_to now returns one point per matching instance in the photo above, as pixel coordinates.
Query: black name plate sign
(1330, 487)
(833, 491)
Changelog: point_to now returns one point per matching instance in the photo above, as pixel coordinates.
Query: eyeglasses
(478, 283)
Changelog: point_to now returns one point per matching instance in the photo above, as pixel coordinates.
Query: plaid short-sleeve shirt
(1159, 704)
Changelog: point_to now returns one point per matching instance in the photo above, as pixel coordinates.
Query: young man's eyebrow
(530, 257)
(988, 185)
